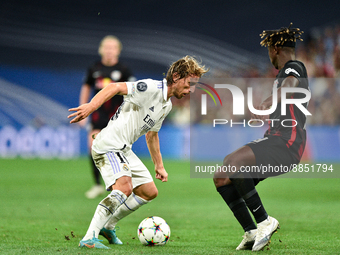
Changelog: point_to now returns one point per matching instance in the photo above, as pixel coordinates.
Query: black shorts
(273, 158)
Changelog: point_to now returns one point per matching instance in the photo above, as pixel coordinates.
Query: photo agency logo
(204, 97)
(238, 104)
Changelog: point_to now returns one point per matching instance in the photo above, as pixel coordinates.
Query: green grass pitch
(43, 210)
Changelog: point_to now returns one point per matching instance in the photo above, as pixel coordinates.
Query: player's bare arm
(84, 110)
(152, 140)
(291, 82)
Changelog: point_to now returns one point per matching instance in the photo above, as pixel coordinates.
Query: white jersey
(144, 108)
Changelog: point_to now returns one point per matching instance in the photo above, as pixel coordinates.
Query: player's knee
(150, 193)
(219, 182)
(230, 166)
(127, 190)
(147, 191)
(124, 184)
(219, 175)
(153, 194)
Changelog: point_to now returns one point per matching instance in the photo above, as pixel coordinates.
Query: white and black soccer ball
(153, 231)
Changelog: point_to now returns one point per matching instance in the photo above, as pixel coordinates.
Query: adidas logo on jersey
(152, 108)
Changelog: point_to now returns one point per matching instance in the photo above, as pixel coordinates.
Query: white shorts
(115, 164)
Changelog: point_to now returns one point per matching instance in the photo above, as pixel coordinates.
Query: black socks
(237, 206)
(244, 184)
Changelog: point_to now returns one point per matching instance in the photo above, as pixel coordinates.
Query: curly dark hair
(283, 37)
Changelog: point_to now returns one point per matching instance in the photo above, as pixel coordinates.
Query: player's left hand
(162, 175)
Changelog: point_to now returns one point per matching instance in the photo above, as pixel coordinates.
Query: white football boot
(265, 230)
(248, 240)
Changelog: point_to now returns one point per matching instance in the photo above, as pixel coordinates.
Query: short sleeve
(140, 91)
(131, 88)
(294, 69)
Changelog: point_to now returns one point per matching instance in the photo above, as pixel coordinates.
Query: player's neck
(170, 93)
(109, 61)
(284, 59)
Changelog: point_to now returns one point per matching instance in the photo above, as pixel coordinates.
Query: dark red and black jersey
(98, 76)
(291, 126)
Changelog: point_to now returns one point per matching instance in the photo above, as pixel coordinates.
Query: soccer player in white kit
(146, 104)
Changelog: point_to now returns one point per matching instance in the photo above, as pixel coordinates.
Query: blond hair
(184, 67)
(109, 37)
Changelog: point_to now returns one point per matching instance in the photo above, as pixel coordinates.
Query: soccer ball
(153, 231)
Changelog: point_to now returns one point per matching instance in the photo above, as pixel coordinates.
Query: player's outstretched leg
(132, 203)
(265, 230)
(103, 213)
(234, 198)
(240, 211)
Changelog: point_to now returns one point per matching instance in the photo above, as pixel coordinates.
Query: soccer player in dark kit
(282, 145)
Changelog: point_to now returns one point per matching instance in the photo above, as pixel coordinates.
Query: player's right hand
(80, 112)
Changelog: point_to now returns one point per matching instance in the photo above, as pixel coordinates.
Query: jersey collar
(165, 90)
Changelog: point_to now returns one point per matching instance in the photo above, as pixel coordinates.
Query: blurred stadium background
(46, 47)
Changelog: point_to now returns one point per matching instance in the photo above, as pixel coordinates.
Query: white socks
(106, 208)
(132, 203)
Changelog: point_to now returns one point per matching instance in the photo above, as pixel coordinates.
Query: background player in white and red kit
(98, 76)
(146, 104)
(282, 145)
